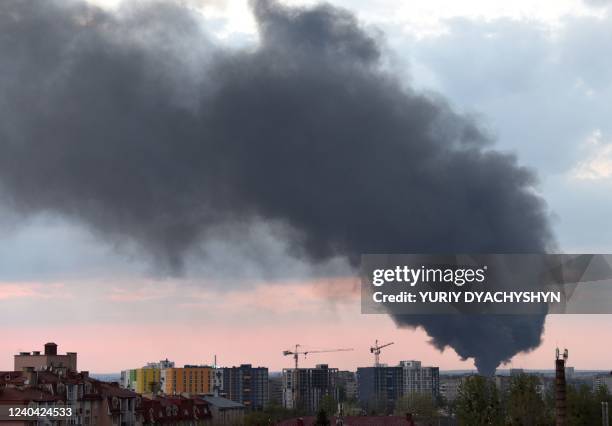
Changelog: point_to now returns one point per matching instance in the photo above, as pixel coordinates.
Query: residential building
(48, 359)
(503, 383)
(275, 389)
(419, 379)
(175, 411)
(92, 402)
(352, 421)
(190, 379)
(246, 385)
(347, 386)
(225, 412)
(148, 380)
(601, 380)
(145, 380)
(380, 387)
(303, 388)
(216, 381)
(128, 379)
(449, 387)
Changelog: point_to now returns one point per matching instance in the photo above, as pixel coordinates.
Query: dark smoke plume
(138, 125)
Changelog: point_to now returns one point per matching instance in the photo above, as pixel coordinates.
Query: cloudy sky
(534, 74)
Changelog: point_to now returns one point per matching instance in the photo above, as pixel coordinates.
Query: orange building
(189, 379)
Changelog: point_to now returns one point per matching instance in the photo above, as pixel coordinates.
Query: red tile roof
(24, 396)
(352, 421)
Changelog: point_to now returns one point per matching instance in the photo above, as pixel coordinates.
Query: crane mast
(376, 351)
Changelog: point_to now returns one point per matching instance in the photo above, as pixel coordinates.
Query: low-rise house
(225, 412)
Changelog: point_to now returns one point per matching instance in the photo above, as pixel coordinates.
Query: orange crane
(376, 351)
(296, 353)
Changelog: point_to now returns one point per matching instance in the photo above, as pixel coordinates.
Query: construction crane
(376, 351)
(296, 353)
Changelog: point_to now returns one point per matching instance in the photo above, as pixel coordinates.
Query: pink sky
(125, 326)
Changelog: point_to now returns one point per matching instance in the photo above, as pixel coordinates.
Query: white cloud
(597, 164)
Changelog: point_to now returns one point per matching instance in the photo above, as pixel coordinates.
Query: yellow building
(189, 379)
(148, 380)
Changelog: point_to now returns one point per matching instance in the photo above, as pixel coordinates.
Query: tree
(421, 406)
(525, 407)
(478, 402)
(257, 418)
(329, 405)
(584, 406)
(322, 419)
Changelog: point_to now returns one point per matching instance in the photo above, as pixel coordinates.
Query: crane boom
(296, 353)
(376, 351)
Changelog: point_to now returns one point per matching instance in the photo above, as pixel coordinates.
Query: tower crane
(296, 353)
(376, 351)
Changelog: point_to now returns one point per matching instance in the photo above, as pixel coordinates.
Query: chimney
(50, 348)
(560, 390)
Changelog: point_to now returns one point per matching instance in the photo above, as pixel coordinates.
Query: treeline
(525, 403)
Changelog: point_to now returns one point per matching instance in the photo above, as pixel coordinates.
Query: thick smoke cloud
(139, 126)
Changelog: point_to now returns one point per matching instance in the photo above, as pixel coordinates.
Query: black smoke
(139, 125)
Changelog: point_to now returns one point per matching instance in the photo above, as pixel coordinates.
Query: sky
(537, 74)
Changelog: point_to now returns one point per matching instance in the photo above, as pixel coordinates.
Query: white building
(419, 379)
(449, 387)
(603, 380)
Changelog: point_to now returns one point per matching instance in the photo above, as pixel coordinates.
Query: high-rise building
(190, 379)
(146, 379)
(347, 386)
(247, 385)
(303, 388)
(380, 387)
(602, 380)
(48, 359)
(275, 389)
(449, 387)
(516, 372)
(419, 379)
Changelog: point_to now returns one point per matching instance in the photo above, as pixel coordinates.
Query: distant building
(190, 379)
(303, 388)
(379, 388)
(216, 381)
(224, 411)
(601, 380)
(449, 387)
(516, 372)
(275, 389)
(347, 385)
(419, 379)
(246, 385)
(503, 383)
(48, 359)
(145, 380)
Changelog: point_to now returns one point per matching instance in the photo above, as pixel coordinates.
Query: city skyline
(249, 294)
